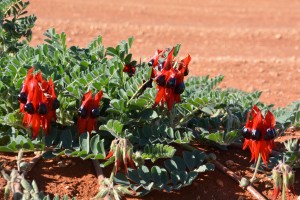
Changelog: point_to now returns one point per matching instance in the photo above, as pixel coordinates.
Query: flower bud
(277, 182)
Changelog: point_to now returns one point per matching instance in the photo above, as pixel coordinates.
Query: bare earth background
(255, 44)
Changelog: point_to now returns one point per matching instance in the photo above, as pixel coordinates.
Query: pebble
(229, 163)
(220, 182)
(278, 36)
(268, 185)
(241, 198)
(61, 164)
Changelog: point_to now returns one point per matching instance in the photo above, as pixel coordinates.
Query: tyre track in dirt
(256, 45)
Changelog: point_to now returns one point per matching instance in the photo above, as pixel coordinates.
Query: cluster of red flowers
(168, 78)
(88, 112)
(38, 102)
(259, 134)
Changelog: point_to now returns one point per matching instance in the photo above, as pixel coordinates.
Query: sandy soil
(255, 44)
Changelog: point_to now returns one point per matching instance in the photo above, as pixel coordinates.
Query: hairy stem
(256, 168)
(137, 93)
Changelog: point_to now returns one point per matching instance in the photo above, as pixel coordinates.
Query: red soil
(255, 44)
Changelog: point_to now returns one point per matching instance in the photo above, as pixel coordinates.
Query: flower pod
(277, 183)
(291, 181)
(118, 157)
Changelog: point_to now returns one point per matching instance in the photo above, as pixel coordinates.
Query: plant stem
(283, 196)
(185, 118)
(112, 173)
(136, 93)
(256, 168)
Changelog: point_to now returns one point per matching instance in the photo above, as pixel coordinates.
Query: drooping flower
(38, 102)
(259, 134)
(169, 79)
(284, 178)
(88, 112)
(122, 150)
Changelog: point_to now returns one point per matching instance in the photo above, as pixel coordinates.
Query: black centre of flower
(246, 133)
(255, 135)
(29, 108)
(186, 72)
(171, 82)
(270, 134)
(161, 66)
(160, 80)
(56, 104)
(22, 97)
(179, 89)
(95, 113)
(150, 63)
(82, 112)
(42, 110)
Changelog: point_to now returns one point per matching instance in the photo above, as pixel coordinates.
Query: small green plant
(14, 25)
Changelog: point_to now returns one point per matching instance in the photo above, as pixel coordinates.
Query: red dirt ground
(255, 44)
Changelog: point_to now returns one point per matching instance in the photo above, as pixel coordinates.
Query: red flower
(37, 102)
(259, 134)
(88, 112)
(129, 69)
(154, 62)
(170, 80)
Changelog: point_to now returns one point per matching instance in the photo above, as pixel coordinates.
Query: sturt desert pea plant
(88, 112)
(38, 102)
(168, 77)
(284, 180)
(259, 134)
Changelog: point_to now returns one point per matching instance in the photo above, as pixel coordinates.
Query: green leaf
(148, 114)
(156, 175)
(84, 141)
(130, 41)
(48, 155)
(189, 159)
(121, 179)
(66, 138)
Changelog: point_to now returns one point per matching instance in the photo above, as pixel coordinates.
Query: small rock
(220, 182)
(67, 187)
(268, 185)
(278, 36)
(229, 163)
(61, 164)
(241, 198)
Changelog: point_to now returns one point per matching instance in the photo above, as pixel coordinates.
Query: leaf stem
(112, 174)
(185, 118)
(256, 168)
(137, 92)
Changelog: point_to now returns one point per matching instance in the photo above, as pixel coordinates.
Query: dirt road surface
(255, 44)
